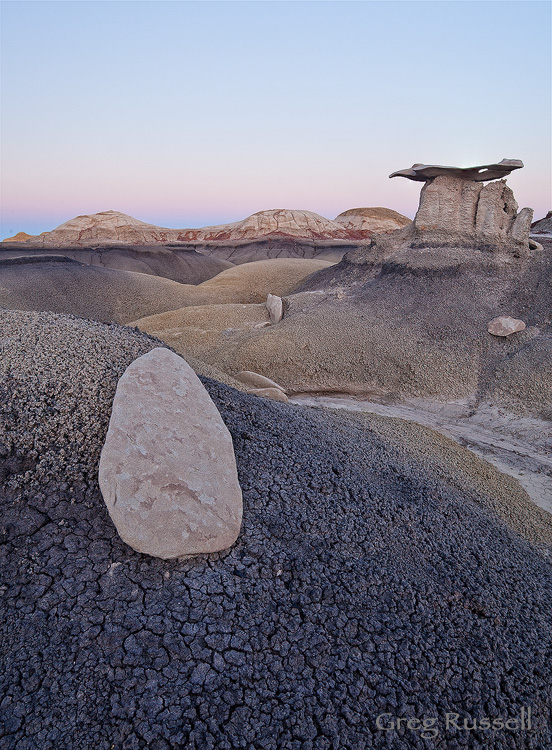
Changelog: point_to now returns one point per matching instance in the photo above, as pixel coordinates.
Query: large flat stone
(167, 469)
(480, 173)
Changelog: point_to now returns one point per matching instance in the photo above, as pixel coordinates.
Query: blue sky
(196, 113)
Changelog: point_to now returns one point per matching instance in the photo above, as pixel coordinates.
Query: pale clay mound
(543, 226)
(19, 237)
(373, 219)
(385, 331)
(250, 283)
(65, 286)
(57, 284)
(379, 566)
(115, 227)
(184, 265)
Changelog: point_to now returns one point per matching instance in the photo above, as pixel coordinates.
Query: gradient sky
(188, 114)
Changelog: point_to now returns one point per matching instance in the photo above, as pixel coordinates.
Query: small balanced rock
(167, 469)
(505, 326)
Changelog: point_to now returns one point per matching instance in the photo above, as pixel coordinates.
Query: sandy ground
(518, 446)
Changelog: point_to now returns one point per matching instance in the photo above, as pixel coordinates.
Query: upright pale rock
(275, 308)
(167, 469)
(457, 210)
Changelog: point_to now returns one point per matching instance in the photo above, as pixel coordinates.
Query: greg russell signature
(430, 727)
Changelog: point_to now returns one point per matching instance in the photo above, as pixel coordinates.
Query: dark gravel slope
(363, 583)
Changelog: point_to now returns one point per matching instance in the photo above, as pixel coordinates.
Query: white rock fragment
(167, 469)
(504, 326)
(255, 380)
(275, 308)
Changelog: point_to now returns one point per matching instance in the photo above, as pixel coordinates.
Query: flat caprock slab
(425, 172)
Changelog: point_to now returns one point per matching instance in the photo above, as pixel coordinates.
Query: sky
(188, 114)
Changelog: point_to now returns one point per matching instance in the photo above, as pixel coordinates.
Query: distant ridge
(115, 227)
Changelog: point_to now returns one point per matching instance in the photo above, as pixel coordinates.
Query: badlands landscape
(337, 437)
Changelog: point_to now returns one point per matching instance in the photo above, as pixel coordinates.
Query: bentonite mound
(252, 282)
(112, 227)
(412, 327)
(63, 285)
(374, 219)
(58, 283)
(543, 226)
(364, 581)
(178, 264)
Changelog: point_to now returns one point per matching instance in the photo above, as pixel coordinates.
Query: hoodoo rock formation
(457, 210)
(461, 221)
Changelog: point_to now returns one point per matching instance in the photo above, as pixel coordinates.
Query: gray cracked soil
(364, 582)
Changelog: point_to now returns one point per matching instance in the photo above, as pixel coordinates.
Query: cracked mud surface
(364, 581)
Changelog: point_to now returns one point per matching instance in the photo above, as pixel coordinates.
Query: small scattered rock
(504, 326)
(275, 308)
(256, 381)
(167, 469)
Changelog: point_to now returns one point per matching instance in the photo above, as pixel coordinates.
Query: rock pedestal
(455, 212)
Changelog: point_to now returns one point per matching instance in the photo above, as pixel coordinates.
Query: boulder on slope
(167, 470)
